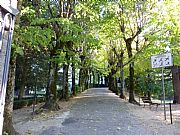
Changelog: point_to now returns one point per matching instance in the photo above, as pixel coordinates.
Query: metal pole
(163, 93)
(121, 80)
(170, 112)
(139, 101)
(34, 100)
(34, 104)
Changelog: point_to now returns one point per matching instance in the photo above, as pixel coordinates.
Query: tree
(131, 14)
(176, 82)
(60, 21)
(133, 23)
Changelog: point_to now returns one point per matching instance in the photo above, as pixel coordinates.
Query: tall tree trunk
(86, 76)
(106, 81)
(101, 80)
(113, 82)
(122, 82)
(65, 81)
(65, 72)
(53, 80)
(23, 66)
(82, 74)
(176, 83)
(51, 96)
(48, 82)
(120, 58)
(82, 79)
(51, 102)
(73, 80)
(8, 110)
(90, 80)
(94, 79)
(98, 79)
(131, 71)
(116, 87)
(23, 80)
(21, 90)
(131, 83)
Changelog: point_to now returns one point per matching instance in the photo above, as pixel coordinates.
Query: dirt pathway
(97, 112)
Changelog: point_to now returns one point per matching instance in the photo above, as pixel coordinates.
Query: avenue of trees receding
(63, 47)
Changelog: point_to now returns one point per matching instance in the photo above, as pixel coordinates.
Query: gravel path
(98, 112)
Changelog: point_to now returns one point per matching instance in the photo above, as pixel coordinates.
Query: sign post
(164, 96)
(161, 61)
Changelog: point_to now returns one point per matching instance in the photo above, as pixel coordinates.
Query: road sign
(163, 60)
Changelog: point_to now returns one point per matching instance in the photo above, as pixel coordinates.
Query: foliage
(95, 30)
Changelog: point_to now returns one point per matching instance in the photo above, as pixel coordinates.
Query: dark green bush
(26, 102)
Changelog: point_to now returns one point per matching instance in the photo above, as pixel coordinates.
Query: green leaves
(36, 36)
(97, 26)
(19, 50)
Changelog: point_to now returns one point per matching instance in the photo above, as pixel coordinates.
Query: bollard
(170, 112)
(139, 101)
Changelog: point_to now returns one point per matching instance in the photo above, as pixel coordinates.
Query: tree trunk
(131, 72)
(82, 74)
(22, 84)
(116, 87)
(112, 83)
(86, 76)
(21, 91)
(122, 84)
(90, 80)
(23, 66)
(65, 82)
(48, 82)
(106, 81)
(94, 79)
(176, 83)
(51, 102)
(73, 81)
(121, 75)
(8, 110)
(53, 80)
(80, 79)
(101, 80)
(98, 79)
(131, 83)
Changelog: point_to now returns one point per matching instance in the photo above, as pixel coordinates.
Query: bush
(26, 102)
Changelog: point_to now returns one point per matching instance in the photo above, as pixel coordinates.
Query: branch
(140, 51)
(115, 52)
(62, 8)
(55, 25)
(139, 30)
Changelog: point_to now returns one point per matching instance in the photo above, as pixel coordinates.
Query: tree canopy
(103, 36)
